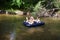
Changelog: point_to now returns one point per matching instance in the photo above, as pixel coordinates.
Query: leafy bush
(56, 3)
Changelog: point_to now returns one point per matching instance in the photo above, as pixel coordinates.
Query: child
(30, 20)
(37, 20)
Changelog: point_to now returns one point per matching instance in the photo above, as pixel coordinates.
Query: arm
(38, 19)
(27, 19)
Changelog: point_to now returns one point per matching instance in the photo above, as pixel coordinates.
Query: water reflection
(12, 36)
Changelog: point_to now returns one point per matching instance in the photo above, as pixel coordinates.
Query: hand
(26, 18)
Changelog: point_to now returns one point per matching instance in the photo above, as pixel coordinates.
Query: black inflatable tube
(35, 24)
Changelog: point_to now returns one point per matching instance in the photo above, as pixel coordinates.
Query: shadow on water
(7, 32)
(37, 34)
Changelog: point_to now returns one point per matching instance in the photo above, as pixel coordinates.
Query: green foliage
(19, 4)
(29, 4)
(16, 2)
(56, 3)
(47, 4)
(38, 6)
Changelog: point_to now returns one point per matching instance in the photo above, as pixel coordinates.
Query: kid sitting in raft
(31, 20)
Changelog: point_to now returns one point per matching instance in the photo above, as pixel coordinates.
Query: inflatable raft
(35, 24)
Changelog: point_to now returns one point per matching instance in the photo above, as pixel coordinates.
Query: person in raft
(37, 20)
(31, 20)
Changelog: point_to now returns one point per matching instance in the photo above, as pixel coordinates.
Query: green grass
(10, 23)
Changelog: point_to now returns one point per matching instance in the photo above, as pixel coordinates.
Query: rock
(12, 13)
(18, 12)
(46, 15)
(2, 11)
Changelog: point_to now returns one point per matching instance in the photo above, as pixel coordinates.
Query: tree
(16, 3)
(56, 3)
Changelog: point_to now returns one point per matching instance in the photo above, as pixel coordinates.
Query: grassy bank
(10, 23)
